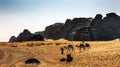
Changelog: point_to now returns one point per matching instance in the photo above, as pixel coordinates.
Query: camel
(83, 46)
(87, 45)
(69, 49)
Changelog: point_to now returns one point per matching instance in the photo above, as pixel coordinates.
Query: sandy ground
(101, 54)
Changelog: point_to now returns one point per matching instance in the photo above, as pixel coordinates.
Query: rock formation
(26, 35)
(61, 30)
(72, 25)
(12, 39)
(108, 28)
(35, 37)
(54, 31)
(78, 29)
(99, 28)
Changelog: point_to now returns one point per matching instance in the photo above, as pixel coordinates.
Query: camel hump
(70, 46)
(87, 44)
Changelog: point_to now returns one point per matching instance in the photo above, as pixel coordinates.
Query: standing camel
(69, 49)
(87, 45)
(81, 46)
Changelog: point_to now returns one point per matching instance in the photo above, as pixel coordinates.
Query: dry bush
(13, 46)
(57, 44)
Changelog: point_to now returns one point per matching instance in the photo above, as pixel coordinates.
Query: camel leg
(68, 51)
(88, 48)
(73, 51)
(79, 49)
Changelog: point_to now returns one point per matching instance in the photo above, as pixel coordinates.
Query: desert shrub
(30, 45)
(42, 44)
(14, 46)
(57, 44)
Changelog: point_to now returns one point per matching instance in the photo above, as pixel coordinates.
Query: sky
(35, 15)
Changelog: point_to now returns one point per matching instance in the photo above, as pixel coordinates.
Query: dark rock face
(60, 30)
(81, 34)
(37, 37)
(84, 34)
(96, 23)
(12, 39)
(39, 32)
(81, 29)
(54, 31)
(99, 28)
(97, 20)
(26, 35)
(108, 28)
(72, 25)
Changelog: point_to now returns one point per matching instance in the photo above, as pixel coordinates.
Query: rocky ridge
(99, 28)
(81, 29)
(26, 35)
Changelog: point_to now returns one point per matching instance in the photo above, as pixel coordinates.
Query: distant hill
(94, 29)
(26, 35)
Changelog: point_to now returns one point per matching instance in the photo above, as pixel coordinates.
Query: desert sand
(101, 54)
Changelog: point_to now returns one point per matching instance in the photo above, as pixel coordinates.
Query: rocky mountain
(67, 30)
(81, 29)
(99, 28)
(26, 35)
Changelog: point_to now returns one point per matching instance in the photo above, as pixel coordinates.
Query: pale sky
(35, 15)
